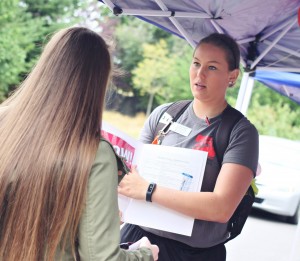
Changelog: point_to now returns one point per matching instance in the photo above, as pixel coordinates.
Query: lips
(200, 85)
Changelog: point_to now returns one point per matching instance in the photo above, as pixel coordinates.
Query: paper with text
(172, 167)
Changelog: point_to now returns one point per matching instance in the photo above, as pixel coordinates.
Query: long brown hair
(49, 135)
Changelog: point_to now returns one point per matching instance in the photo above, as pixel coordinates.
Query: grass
(129, 125)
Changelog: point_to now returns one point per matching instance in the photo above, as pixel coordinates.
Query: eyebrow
(208, 61)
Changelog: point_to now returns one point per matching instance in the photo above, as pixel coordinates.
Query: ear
(233, 75)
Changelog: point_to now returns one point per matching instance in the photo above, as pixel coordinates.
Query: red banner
(122, 148)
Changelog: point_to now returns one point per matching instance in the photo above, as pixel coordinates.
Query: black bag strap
(229, 118)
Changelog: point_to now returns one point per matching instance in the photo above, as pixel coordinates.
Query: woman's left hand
(133, 185)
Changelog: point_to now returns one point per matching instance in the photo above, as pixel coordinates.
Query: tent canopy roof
(267, 31)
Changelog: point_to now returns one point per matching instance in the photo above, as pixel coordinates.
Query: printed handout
(172, 167)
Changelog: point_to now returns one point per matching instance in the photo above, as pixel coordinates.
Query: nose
(200, 72)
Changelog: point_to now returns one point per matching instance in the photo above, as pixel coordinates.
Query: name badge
(180, 129)
(165, 118)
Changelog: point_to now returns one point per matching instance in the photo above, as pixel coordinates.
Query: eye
(196, 64)
(212, 68)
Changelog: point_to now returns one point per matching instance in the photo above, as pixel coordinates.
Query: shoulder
(105, 158)
(172, 109)
(244, 125)
(244, 132)
(105, 147)
(243, 145)
(148, 131)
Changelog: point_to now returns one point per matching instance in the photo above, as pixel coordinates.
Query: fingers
(133, 185)
(144, 242)
(134, 169)
(155, 251)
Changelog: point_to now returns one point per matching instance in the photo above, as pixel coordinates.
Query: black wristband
(150, 191)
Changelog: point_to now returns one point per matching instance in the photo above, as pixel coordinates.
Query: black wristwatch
(150, 191)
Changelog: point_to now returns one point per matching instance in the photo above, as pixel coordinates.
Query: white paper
(172, 167)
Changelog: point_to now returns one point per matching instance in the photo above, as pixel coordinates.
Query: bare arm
(219, 205)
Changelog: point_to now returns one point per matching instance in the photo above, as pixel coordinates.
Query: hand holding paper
(170, 167)
(133, 185)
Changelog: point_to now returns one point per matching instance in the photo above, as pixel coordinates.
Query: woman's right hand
(133, 185)
(144, 242)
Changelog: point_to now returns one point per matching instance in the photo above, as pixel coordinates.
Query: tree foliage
(17, 35)
(150, 75)
(274, 114)
(163, 71)
(178, 79)
(24, 27)
(271, 113)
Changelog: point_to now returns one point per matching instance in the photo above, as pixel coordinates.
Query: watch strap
(150, 191)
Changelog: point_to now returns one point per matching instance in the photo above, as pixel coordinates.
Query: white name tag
(166, 118)
(180, 129)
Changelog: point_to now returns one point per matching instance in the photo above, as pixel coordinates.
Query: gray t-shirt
(242, 149)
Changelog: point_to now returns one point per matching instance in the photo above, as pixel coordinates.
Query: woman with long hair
(58, 178)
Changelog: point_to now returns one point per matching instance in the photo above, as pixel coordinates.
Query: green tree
(24, 26)
(52, 16)
(17, 33)
(131, 34)
(150, 74)
(274, 114)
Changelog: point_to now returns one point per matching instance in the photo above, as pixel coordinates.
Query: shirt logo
(205, 143)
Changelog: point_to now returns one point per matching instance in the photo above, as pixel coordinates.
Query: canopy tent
(285, 83)
(267, 31)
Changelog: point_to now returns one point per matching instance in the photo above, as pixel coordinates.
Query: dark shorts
(171, 250)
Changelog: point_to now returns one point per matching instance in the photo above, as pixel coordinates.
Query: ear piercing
(231, 84)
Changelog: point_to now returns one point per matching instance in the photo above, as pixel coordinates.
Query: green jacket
(99, 229)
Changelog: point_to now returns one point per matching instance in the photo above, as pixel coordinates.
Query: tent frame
(249, 66)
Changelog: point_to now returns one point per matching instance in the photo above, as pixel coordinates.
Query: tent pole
(242, 91)
(185, 34)
(273, 43)
(282, 48)
(277, 29)
(247, 96)
(278, 69)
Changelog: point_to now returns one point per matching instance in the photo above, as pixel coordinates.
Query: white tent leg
(248, 94)
(245, 93)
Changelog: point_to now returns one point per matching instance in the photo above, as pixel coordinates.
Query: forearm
(218, 206)
(199, 205)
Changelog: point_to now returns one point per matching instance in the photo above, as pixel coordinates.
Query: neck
(203, 110)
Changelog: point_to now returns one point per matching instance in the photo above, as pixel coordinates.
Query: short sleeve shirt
(242, 149)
